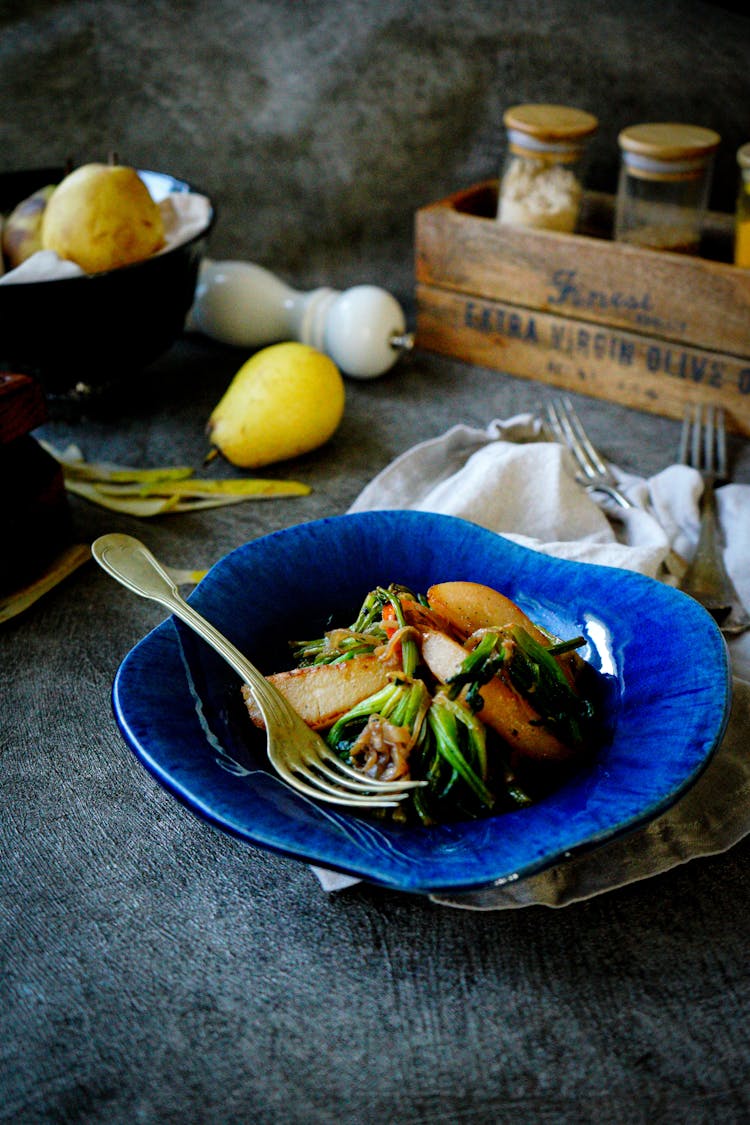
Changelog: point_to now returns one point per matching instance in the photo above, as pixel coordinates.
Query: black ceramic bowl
(95, 330)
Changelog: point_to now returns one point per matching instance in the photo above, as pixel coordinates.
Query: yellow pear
(22, 231)
(285, 401)
(102, 216)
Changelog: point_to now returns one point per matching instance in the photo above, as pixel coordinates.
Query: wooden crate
(582, 312)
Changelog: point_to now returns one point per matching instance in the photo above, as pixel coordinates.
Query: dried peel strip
(258, 488)
(152, 492)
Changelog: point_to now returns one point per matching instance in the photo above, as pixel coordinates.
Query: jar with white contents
(665, 177)
(542, 180)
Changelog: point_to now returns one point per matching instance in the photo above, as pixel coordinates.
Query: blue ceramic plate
(662, 657)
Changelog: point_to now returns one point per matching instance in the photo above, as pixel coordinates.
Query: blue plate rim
(475, 876)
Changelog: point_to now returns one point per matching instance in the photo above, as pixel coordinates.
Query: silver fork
(703, 446)
(297, 753)
(594, 472)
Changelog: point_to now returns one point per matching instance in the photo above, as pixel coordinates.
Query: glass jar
(542, 183)
(665, 178)
(742, 227)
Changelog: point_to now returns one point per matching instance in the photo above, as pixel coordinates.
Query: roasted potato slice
(324, 692)
(505, 710)
(469, 606)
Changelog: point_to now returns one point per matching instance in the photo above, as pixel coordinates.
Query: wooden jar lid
(550, 122)
(667, 141)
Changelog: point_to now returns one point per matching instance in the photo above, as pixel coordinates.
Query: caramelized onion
(382, 749)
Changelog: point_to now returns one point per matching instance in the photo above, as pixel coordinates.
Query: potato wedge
(470, 606)
(324, 692)
(504, 709)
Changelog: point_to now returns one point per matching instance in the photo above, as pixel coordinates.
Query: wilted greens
(488, 737)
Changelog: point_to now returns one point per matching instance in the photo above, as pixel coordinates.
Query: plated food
(457, 688)
(180, 710)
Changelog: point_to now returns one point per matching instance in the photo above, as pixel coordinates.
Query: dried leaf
(76, 468)
(154, 492)
(242, 488)
(127, 505)
(187, 505)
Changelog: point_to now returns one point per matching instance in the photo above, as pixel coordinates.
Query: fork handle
(706, 578)
(132, 564)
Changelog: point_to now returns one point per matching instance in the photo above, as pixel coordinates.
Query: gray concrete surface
(153, 970)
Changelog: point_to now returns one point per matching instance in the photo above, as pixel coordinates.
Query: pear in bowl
(100, 329)
(101, 216)
(22, 231)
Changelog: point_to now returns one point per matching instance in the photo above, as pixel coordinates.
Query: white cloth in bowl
(185, 215)
(508, 480)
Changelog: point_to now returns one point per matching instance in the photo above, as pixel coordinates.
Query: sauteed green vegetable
(457, 687)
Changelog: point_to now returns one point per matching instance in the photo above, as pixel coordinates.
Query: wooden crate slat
(694, 301)
(603, 361)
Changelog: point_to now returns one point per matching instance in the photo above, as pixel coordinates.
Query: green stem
(380, 703)
(479, 666)
(409, 650)
(444, 720)
(560, 647)
(537, 675)
(398, 702)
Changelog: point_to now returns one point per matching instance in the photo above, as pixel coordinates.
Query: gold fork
(295, 751)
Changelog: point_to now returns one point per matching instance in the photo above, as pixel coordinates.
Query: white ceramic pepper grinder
(363, 329)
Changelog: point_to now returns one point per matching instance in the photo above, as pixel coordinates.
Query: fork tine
(302, 752)
(577, 426)
(329, 794)
(706, 579)
(309, 756)
(553, 420)
(569, 429)
(594, 472)
(721, 445)
(709, 442)
(344, 786)
(334, 782)
(703, 440)
(344, 777)
(342, 770)
(696, 445)
(682, 451)
(559, 413)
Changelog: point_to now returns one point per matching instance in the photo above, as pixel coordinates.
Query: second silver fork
(703, 446)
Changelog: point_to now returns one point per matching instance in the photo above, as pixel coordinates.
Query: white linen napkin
(507, 479)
